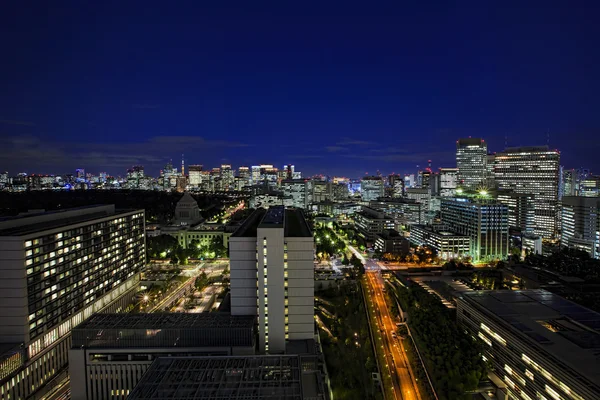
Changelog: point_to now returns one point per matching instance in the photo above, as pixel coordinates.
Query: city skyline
(338, 91)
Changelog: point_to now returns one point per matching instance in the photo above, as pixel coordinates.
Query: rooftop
(291, 219)
(27, 223)
(165, 330)
(563, 330)
(268, 377)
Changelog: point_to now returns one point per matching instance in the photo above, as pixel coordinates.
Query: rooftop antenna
(548, 137)
(505, 141)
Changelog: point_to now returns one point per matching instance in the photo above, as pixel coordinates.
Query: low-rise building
(369, 222)
(448, 244)
(531, 243)
(111, 352)
(390, 241)
(541, 345)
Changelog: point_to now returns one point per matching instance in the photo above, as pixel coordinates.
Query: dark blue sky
(333, 87)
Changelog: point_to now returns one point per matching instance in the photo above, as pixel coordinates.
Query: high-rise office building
(195, 176)
(227, 177)
(297, 192)
(581, 224)
(471, 161)
(533, 171)
(484, 221)
(272, 275)
(539, 345)
(80, 173)
(409, 181)
(590, 187)
(58, 268)
(396, 185)
(520, 210)
(321, 191)
(289, 171)
(371, 188)
(404, 211)
(424, 178)
(245, 175)
(448, 181)
(490, 181)
(255, 174)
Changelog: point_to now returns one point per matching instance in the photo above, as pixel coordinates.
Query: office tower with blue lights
(484, 221)
(58, 268)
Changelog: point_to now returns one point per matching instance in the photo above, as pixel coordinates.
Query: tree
(160, 246)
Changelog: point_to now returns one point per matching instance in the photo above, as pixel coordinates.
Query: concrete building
(520, 210)
(371, 188)
(533, 171)
(581, 224)
(405, 212)
(266, 377)
(531, 243)
(390, 241)
(298, 191)
(369, 222)
(321, 191)
(539, 344)
(272, 276)
(471, 161)
(447, 243)
(448, 181)
(195, 176)
(485, 222)
(187, 211)
(111, 352)
(420, 195)
(58, 268)
(340, 191)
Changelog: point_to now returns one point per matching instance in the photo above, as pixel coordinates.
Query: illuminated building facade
(539, 344)
(371, 188)
(298, 192)
(195, 176)
(520, 210)
(484, 222)
(533, 171)
(272, 276)
(448, 182)
(58, 268)
(369, 222)
(447, 243)
(581, 224)
(471, 161)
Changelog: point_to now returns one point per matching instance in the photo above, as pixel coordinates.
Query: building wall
(529, 373)
(243, 275)
(300, 287)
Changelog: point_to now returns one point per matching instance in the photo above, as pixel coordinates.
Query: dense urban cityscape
(294, 201)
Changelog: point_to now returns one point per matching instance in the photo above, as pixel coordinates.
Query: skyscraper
(58, 268)
(297, 192)
(272, 276)
(533, 171)
(195, 175)
(581, 224)
(371, 188)
(448, 181)
(471, 161)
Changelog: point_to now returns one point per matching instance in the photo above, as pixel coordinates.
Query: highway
(404, 385)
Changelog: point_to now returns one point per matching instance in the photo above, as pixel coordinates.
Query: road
(405, 387)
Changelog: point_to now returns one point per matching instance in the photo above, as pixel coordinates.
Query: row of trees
(348, 351)
(328, 243)
(568, 262)
(451, 355)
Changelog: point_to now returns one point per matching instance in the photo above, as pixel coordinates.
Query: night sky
(340, 89)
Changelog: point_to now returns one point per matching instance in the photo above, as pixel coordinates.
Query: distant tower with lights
(182, 166)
